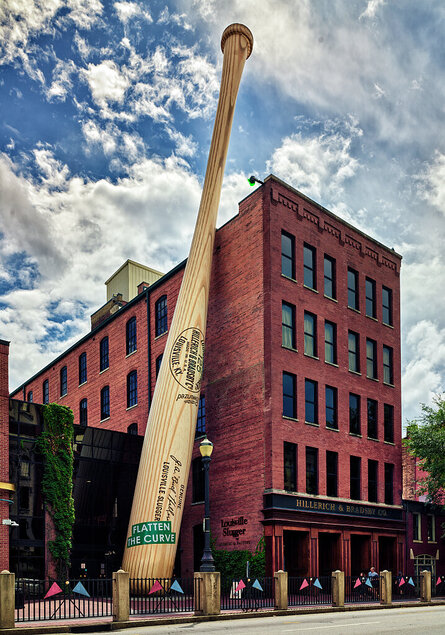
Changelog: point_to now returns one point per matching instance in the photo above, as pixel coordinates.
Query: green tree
(426, 441)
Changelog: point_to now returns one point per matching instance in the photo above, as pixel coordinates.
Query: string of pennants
(55, 589)
(315, 583)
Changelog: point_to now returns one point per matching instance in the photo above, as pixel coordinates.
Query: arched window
(104, 353)
(132, 428)
(161, 316)
(82, 368)
(30, 396)
(105, 403)
(132, 388)
(45, 388)
(83, 413)
(131, 335)
(63, 381)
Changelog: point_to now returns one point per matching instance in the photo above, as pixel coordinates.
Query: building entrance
(387, 554)
(329, 556)
(296, 552)
(360, 554)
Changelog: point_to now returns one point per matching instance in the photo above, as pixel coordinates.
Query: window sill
(104, 370)
(389, 442)
(331, 364)
(312, 356)
(289, 348)
(372, 378)
(83, 383)
(314, 425)
(106, 419)
(333, 429)
(354, 434)
(328, 297)
(310, 289)
(351, 308)
(389, 385)
(132, 353)
(131, 407)
(355, 372)
(289, 418)
(432, 542)
(161, 335)
(390, 326)
(287, 278)
(373, 439)
(418, 542)
(371, 317)
(64, 395)
(198, 503)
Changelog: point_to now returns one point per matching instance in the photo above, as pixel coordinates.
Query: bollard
(7, 601)
(121, 596)
(385, 587)
(281, 590)
(207, 592)
(338, 588)
(425, 586)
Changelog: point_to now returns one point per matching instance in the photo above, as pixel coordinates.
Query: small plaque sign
(152, 533)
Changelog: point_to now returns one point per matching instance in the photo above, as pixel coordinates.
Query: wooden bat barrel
(161, 484)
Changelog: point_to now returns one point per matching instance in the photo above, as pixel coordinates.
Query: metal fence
(303, 591)
(161, 595)
(406, 587)
(247, 594)
(361, 589)
(37, 600)
(438, 585)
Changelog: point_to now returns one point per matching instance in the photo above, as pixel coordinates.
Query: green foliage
(426, 441)
(56, 445)
(232, 564)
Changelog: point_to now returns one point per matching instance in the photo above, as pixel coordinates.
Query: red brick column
(4, 454)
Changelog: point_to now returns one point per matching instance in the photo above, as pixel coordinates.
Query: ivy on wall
(56, 446)
(232, 564)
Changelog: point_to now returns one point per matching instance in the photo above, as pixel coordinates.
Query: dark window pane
(105, 402)
(331, 473)
(353, 299)
(290, 466)
(83, 412)
(161, 325)
(371, 359)
(289, 395)
(197, 480)
(387, 365)
(132, 428)
(132, 389)
(288, 325)
(311, 470)
(104, 363)
(329, 277)
(386, 305)
(372, 419)
(46, 391)
(310, 389)
(82, 368)
(355, 468)
(287, 255)
(388, 423)
(331, 407)
(372, 480)
(201, 420)
(309, 267)
(330, 342)
(354, 414)
(354, 352)
(310, 334)
(63, 381)
(131, 341)
(370, 298)
(389, 483)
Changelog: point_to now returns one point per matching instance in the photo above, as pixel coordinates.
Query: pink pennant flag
(304, 584)
(357, 583)
(54, 589)
(156, 587)
(438, 581)
(402, 581)
(240, 586)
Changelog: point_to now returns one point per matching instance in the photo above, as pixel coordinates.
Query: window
(310, 272)
(331, 408)
(372, 480)
(288, 325)
(370, 297)
(289, 396)
(331, 473)
(63, 381)
(354, 414)
(25, 467)
(105, 403)
(198, 493)
(354, 351)
(46, 391)
(161, 325)
(287, 255)
(310, 334)
(417, 527)
(290, 466)
(30, 396)
(387, 365)
(132, 388)
(201, 420)
(355, 469)
(132, 428)
(329, 277)
(330, 342)
(353, 299)
(431, 527)
(386, 306)
(372, 419)
(388, 423)
(83, 412)
(371, 359)
(158, 364)
(311, 470)
(389, 483)
(104, 362)
(131, 336)
(310, 397)
(82, 368)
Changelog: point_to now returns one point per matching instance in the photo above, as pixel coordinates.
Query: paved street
(404, 620)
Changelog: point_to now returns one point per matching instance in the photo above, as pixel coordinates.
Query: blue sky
(106, 114)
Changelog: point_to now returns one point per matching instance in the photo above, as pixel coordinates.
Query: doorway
(296, 552)
(387, 554)
(329, 556)
(360, 554)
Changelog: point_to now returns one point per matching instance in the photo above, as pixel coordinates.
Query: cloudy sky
(106, 114)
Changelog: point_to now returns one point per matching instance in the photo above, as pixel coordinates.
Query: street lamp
(207, 563)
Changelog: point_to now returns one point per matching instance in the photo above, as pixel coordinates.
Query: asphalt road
(403, 621)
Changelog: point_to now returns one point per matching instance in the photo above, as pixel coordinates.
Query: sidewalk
(106, 624)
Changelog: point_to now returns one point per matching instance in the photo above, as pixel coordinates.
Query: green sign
(152, 533)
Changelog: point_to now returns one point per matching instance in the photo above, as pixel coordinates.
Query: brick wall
(4, 453)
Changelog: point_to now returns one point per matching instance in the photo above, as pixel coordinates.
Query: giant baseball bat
(164, 466)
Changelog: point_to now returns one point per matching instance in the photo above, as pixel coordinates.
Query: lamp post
(207, 562)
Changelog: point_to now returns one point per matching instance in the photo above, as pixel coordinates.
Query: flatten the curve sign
(150, 533)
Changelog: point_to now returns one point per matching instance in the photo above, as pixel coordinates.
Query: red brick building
(301, 389)
(6, 488)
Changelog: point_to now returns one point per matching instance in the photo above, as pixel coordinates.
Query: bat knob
(235, 29)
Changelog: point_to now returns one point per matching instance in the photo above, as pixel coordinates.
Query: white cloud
(126, 11)
(61, 83)
(432, 183)
(372, 7)
(107, 83)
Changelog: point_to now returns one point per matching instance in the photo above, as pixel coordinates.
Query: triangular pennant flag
(368, 582)
(81, 590)
(176, 587)
(257, 585)
(240, 586)
(304, 584)
(357, 583)
(156, 587)
(402, 581)
(410, 581)
(317, 584)
(438, 581)
(54, 589)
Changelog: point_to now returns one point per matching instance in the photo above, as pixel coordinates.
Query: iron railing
(438, 585)
(36, 600)
(361, 589)
(248, 594)
(161, 595)
(405, 587)
(303, 591)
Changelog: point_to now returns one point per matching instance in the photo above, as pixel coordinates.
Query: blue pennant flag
(317, 584)
(176, 587)
(368, 583)
(257, 585)
(410, 581)
(81, 590)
